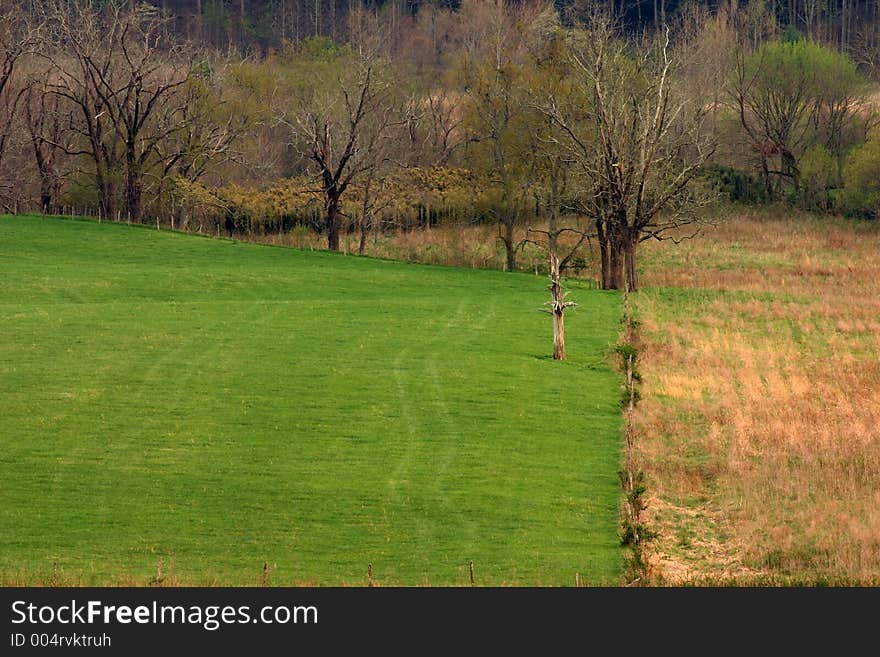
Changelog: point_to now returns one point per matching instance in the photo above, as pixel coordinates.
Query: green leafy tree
(498, 119)
(501, 143)
(789, 95)
(861, 177)
(818, 175)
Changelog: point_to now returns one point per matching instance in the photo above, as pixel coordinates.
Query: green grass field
(216, 405)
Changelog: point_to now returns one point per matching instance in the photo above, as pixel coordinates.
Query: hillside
(214, 405)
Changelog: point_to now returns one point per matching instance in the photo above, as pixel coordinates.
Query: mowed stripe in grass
(216, 405)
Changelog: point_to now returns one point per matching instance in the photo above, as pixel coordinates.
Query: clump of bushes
(860, 196)
(818, 177)
(403, 199)
(735, 185)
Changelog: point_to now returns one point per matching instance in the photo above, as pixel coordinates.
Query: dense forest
(564, 125)
(849, 24)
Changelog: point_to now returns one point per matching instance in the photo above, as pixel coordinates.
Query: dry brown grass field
(475, 246)
(759, 427)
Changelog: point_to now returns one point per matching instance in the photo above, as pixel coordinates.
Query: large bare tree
(46, 118)
(637, 142)
(110, 63)
(202, 131)
(346, 105)
(18, 34)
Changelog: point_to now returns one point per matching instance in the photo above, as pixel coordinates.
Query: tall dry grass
(760, 421)
(475, 246)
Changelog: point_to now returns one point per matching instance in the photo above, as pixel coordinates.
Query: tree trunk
(604, 262)
(509, 244)
(558, 309)
(611, 254)
(242, 39)
(632, 280)
(362, 244)
(333, 221)
(768, 181)
(106, 194)
(133, 196)
(46, 186)
(789, 166)
(365, 213)
(615, 262)
(45, 199)
(104, 184)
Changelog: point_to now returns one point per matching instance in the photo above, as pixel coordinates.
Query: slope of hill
(215, 405)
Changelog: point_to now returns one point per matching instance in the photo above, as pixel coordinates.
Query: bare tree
(441, 123)
(556, 173)
(638, 145)
(200, 136)
(493, 72)
(866, 45)
(46, 120)
(772, 100)
(113, 67)
(555, 179)
(17, 36)
(201, 130)
(498, 122)
(345, 110)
